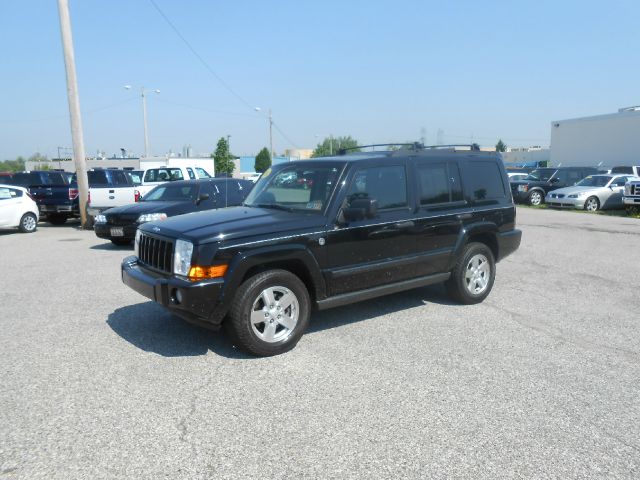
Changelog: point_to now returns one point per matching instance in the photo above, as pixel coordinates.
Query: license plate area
(117, 231)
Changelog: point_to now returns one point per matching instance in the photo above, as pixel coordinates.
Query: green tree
(263, 161)
(501, 146)
(222, 158)
(16, 165)
(332, 145)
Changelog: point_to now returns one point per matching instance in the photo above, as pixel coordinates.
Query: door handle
(464, 216)
(405, 224)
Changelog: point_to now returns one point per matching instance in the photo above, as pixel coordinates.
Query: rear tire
(28, 223)
(473, 275)
(56, 219)
(269, 313)
(592, 204)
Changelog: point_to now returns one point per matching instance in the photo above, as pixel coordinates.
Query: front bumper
(195, 302)
(635, 201)
(111, 232)
(565, 202)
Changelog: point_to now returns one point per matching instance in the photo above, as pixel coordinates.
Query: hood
(233, 223)
(170, 208)
(573, 190)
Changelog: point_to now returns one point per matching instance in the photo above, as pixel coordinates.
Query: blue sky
(379, 71)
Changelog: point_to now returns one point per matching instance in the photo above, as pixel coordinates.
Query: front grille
(635, 189)
(156, 253)
(121, 220)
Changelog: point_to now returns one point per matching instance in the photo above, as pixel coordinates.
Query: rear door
(9, 206)
(373, 251)
(441, 213)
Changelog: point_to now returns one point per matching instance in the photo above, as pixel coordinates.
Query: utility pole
(271, 134)
(74, 110)
(144, 114)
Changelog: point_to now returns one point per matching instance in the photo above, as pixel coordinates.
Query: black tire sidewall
(456, 283)
(21, 226)
(239, 322)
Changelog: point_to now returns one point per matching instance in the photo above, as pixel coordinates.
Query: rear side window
(387, 185)
(202, 173)
(483, 180)
(192, 176)
(439, 183)
(8, 193)
(26, 179)
(97, 177)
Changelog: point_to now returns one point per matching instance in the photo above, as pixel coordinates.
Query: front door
(373, 251)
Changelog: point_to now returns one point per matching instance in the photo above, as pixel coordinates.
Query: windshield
(541, 174)
(171, 193)
(594, 181)
(296, 187)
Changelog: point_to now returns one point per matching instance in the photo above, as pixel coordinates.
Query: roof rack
(414, 146)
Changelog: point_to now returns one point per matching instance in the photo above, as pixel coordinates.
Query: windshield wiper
(274, 206)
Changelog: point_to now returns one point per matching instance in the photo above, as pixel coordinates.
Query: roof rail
(413, 146)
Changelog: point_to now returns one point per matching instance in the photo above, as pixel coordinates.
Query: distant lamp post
(258, 109)
(143, 92)
(318, 135)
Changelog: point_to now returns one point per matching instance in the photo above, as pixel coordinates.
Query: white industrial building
(603, 141)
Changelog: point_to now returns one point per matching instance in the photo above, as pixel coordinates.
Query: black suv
(328, 232)
(534, 187)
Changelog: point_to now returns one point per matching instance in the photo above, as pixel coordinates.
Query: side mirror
(202, 198)
(360, 209)
(555, 180)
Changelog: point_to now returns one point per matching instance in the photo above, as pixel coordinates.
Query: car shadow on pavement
(376, 307)
(111, 246)
(151, 328)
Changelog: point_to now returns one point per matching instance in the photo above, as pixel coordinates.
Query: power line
(202, 60)
(284, 136)
(204, 109)
(66, 116)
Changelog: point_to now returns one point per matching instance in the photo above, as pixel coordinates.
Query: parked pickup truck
(115, 188)
(111, 188)
(56, 197)
(631, 196)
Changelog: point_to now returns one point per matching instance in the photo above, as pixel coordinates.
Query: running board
(359, 296)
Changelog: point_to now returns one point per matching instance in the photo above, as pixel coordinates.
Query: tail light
(73, 193)
(89, 198)
(136, 196)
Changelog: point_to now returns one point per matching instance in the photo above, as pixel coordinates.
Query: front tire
(535, 198)
(473, 275)
(28, 223)
(269, 313)
(592, 204)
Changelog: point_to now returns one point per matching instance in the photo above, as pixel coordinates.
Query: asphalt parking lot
(542, 380)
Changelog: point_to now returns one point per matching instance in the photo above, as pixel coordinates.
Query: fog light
(179, 296)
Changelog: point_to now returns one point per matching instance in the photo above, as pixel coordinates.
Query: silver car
(592, 193)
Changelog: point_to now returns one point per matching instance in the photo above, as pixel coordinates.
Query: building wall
(602, 140)
(526, 156)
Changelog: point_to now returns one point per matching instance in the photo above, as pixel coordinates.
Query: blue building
(248, 162)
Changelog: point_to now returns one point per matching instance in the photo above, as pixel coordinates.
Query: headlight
(523, 188)
(577, 195)
(100, 218)
(151, 217)
(136, 245)
(182, 257)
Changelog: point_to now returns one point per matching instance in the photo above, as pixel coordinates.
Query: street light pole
(271, 134)
(144, 116)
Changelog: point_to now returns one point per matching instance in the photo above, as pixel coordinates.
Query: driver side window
(387, 185)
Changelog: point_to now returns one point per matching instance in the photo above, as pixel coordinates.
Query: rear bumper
(508, 242)
(196, 303)
(70, 210)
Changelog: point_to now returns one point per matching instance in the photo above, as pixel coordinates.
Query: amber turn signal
(200, 273)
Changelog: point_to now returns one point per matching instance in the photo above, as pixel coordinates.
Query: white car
(17, 209)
